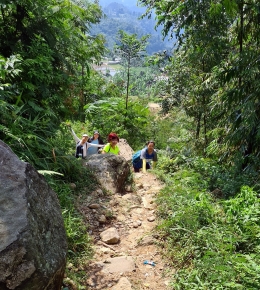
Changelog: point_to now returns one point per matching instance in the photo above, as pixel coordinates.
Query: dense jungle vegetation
(207, 134)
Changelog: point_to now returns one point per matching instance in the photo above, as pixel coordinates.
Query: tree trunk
(127, 84)
(198, 126)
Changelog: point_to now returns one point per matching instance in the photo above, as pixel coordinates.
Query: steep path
(133, 215)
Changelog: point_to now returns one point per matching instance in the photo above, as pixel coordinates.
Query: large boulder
(33, 244)
(111, 171)
(125, 150)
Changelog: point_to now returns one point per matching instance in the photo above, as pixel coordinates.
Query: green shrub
(212, 244)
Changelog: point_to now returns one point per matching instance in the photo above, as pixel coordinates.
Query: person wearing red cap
(111, 146)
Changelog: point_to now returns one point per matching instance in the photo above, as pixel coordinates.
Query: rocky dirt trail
(122, 227)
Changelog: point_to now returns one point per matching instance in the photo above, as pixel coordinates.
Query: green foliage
(45, 78)
(214, 72)
(145, 83)
(80, 249)
(54, 51)
(109, 116)
(79, 243)
(173, 133)
(98, 88)
(243, 213)
(213, 244)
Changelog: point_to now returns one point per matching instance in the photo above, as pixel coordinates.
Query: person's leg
(77, 152)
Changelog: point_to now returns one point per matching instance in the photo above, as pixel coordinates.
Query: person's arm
(142, 157)
(76, 138)
(105, 149)
(94, 145)
(155, 159)
(144, 165)
(81, 142)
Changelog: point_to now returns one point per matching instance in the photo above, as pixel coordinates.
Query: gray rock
(148, 202)
(135, 225)
(128, 188)
(121, 218)
(110, 236)
(151, 218)
(148, 240)
(125, 150)
(94, 206)
(33, 243)
(123, 284)
(99, 191)
(111, 171)
(119, 265)
(73, 186)
(102, 219)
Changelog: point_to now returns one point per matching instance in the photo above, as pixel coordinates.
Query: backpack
(136, 157)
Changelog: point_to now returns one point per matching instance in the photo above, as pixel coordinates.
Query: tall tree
(130, 49)
(52, 40)
(223, 37)
(195, 56)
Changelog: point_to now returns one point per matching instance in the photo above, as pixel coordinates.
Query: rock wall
(125, 150)
(33, 244)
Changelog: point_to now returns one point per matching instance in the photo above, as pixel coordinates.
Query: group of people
(92, 145)
(88, 145)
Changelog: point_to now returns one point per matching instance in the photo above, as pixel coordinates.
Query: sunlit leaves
(109, 116)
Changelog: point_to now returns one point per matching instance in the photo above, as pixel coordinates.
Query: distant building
(113, 62)
(161, 78)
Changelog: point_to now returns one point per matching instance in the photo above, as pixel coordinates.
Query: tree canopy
(46, 54)
(216, 67)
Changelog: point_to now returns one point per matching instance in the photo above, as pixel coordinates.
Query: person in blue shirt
(148, 158)
(95, 139)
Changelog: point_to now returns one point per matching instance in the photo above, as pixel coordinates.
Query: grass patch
(80, 245)
(212, 243)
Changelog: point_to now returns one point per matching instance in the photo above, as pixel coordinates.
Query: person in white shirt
(83, 144)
